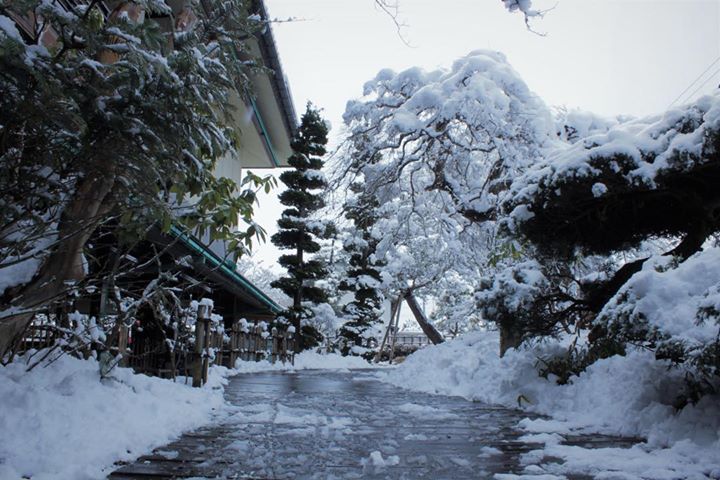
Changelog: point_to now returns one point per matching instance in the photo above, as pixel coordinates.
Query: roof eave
(268, 49)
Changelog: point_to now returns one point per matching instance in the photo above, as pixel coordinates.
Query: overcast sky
(606, 56)
(610, 57)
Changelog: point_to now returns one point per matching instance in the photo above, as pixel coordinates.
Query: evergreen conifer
(363, 275)
(298, 230)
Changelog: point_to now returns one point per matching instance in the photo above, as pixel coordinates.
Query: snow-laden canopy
(436, 148)
(462, 131)
(613, 188)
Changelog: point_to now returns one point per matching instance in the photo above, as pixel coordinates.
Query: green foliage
(298, 231)
(127, 104)
(509, 250)
(363, 277)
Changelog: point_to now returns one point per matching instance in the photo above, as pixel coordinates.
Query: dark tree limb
(599, 295)
(428, 329)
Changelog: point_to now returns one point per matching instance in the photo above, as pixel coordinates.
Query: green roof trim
(263, 131)
(226, 266)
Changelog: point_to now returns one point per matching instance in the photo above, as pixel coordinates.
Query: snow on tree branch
(651, 174)
(526, 8)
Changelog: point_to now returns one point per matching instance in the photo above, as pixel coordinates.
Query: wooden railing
(153, 355)
(40, 333)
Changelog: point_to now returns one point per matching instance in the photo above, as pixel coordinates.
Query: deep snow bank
(629, 395)
(62, 422)
(307, 360)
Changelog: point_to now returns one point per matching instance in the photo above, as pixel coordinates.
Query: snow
(62, 421)
(619, 395)
(307, 360)
(376, 460)
(670, 298)
(599, 189)
(524, 6)
(639, 151)
(8, 29)
(425, 411)
(314, 175)
(14, 274)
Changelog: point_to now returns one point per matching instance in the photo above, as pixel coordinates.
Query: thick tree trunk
(428, 329)
(297, 308)
(65, 263)
(599, 295)
(509, 338)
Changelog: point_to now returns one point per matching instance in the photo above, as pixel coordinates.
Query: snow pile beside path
(469, 367)
(629, 395)
(307, 360)
(62, 421)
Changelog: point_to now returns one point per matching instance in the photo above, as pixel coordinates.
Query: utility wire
(695, 81)
(702, 84)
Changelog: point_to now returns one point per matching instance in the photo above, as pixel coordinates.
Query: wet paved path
(335, 425)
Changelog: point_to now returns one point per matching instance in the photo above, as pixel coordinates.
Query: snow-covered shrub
(517, 299)
(671, 309)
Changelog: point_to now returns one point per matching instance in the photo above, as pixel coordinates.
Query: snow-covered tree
(363, 276)
(456, 310)
(611, 192)
(299, 230)
(262, 277)
(463, 132)
(438, 149)
(112, 117)
(642, 179)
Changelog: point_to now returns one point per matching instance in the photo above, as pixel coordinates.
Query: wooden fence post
(274, 354)
(290, 342)
(234, 343)
(122, 343)
(219, 345)
(258, 342)
(201, 342)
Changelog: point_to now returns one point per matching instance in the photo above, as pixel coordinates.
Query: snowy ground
(307, 360)
(322, 425)
(619, 395)
(62, 422)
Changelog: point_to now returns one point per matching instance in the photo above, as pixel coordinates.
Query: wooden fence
(246, 342)
(154, 356)
(40, 333)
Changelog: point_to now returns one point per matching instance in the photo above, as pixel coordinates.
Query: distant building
(411, 338)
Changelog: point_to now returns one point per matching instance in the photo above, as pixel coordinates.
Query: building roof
(270, 55)
(226, 272)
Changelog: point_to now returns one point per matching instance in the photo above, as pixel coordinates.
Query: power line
(695, 81)
(703, 84)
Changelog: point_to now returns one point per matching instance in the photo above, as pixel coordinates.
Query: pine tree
(363, 274)
(299, 231)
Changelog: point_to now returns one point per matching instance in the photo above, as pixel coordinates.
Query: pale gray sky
(607, 56)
